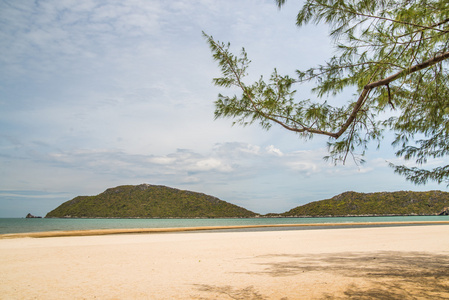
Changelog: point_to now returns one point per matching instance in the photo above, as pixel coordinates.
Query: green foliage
(393, 52)
(148, 201)
(360, 204)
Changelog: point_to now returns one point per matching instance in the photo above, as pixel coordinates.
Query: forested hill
(148, 201)
(384, 203)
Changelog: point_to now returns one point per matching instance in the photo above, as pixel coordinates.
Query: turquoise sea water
(19, 225)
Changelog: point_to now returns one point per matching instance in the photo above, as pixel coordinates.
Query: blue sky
(96, 94)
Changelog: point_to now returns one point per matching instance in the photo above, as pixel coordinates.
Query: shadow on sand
(374, 275)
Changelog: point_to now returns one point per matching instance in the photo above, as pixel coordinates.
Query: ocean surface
(20, 225)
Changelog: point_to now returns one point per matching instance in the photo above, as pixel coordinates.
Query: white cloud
(303, 166)
(210, 164)
(273, 150)
(161, 160)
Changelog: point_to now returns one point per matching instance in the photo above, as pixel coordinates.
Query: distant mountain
(148, 201)
(384, 203)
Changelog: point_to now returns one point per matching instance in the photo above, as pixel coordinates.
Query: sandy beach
(409, 262)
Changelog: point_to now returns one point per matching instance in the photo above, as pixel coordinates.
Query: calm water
(17, 225)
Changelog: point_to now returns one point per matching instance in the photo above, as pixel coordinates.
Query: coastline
(374, 262)
(94, 232)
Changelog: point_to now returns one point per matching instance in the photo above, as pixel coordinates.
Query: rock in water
(30, 216)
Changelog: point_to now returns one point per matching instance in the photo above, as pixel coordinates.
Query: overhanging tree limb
(386, 81)
(400, 44)
(438, 58)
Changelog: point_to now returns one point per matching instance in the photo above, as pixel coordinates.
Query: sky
(95, 94)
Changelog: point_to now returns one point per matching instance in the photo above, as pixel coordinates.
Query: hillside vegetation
(148, 201)
(384, 203)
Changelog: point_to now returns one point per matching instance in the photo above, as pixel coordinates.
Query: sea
(23, 225)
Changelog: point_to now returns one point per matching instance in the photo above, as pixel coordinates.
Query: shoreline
(97, 232)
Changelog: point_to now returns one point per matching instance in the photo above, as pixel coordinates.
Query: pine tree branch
(383, 18)
(405, 72)
(386, 81)
(254, 105)
(358, 105)
(355, 111)
(346, 67)
(432, 26)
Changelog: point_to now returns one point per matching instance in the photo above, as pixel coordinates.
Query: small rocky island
(30, 216)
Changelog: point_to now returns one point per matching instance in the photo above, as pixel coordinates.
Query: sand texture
(351, 263)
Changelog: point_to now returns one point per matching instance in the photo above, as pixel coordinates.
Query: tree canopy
(394, 53)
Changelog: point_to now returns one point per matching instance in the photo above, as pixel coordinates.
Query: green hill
(148, 201)
(384, 203)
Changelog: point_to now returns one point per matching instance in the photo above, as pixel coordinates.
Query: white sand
(361, 263)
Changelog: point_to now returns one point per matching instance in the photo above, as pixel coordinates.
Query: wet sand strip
(93, 232)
